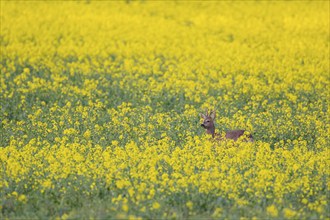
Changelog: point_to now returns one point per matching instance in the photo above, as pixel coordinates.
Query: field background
(100, 106)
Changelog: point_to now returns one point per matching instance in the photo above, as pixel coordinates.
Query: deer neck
(211, 131)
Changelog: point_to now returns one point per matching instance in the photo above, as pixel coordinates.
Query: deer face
(208, 122)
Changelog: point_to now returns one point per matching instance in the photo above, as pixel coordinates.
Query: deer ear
(212, 115)
(202, 115)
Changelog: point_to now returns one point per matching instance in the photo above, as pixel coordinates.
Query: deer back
(235, 134)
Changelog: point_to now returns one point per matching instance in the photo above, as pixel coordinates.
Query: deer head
(208, 122)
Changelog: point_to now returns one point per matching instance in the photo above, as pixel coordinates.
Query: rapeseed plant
(100, 103)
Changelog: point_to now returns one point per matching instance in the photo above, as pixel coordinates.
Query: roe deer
(208, 124)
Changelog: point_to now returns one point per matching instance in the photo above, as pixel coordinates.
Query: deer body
(208, 124)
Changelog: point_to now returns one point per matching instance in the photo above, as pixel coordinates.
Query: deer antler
(206, 112)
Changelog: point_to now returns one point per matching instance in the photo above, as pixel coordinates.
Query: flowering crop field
(100, 106)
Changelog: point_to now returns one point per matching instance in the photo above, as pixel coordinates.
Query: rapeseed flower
(100, 112)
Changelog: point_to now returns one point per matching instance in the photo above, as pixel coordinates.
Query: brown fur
(208, 124)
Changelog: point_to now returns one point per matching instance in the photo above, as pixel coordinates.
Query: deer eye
(208, 121)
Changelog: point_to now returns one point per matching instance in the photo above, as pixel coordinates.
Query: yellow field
(100, 106)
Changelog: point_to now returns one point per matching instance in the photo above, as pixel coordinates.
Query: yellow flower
(304, 201)
(22, 198)
(189, 204)
(217, 212)
(87, 134)
(132, 217)
(124, 207)
(272, 210)
(47, 183)
(155, 205)
(289, 213)
(65, 216)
